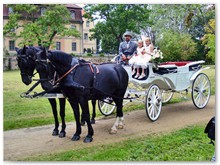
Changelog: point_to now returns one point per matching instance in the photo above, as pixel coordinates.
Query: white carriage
(161, 83)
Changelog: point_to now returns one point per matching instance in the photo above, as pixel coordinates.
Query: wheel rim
(106, 106)
(166, 96)
(201, 91)
(153, 102)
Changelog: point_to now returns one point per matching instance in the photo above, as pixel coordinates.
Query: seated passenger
(127, 48)
(144, 58)
(134, 58)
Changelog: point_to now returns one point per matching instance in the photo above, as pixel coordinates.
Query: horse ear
(44, 51)
(24, 49)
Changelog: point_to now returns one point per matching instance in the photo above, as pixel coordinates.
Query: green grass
(23, 113)
(188, 144)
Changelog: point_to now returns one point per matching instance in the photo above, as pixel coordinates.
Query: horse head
(26, 63)
(58, 60)
(45, 69)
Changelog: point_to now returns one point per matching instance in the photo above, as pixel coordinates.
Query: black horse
(28, 62)
(98, 81)
(47, 72)
(26, 59)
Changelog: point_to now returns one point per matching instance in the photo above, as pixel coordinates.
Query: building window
(42, 10)
(10, 10)
(87, 23)
(73, 26)
(58, 46)
(73, 14)
(86, 36)
(73, 46)
(11, 45)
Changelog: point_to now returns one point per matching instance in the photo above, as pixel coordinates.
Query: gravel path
(22, 143)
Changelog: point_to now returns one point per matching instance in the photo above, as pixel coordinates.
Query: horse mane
(60, 57)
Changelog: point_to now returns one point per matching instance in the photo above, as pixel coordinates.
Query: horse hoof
(55, 132)
(62, 134)
(75, 138)
(92, 121)
(113, 131)
(83, 123)
(88, 139)
(120, 126)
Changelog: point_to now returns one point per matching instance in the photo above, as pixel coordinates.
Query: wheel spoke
(205, 83)
(151, 110)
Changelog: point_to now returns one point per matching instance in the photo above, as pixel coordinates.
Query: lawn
(22, 113)
(188, 144)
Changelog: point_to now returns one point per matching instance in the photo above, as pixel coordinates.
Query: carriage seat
(182, 63)
(192, 65)
(165, 69)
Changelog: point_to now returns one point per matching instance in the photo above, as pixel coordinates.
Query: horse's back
(110, 78)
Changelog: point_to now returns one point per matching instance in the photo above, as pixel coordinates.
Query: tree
(114, 20)
(187, 18)
(183, 19)
(38, 29)
(209, 39)
(198, 16)
(176, 46)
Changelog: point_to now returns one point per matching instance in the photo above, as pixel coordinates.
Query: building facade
(67, 44)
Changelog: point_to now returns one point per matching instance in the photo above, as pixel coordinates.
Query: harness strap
(90, 65)
(66, 74)
(52, 81)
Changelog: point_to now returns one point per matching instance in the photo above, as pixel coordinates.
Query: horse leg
(83, 122)
(75, 106)
(93, 112)
(62, 115)
(86, 115)
(54, 109)
(119, 117)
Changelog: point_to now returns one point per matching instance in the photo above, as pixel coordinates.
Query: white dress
(144, 59)
(135, 58)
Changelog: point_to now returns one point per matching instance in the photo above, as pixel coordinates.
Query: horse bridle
(45, 64)
(24, 58)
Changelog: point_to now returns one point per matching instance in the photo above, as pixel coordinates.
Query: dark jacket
(127, 51)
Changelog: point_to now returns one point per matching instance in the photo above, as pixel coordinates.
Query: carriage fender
(196, 73)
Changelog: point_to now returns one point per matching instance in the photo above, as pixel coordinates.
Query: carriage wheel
(107, 106)
(153, 102)
(201, 90)
(166, 96)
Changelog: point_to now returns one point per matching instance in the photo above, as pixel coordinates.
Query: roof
(73, 6)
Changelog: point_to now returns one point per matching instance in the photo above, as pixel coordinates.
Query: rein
(66, 74)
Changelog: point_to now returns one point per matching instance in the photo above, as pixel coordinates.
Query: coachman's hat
(127, 33)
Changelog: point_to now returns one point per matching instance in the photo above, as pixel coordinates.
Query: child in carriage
(143, 58)
(134, 59)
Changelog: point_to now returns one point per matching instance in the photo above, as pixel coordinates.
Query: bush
(177, 46)
(89, 54)
(72, 54)
(102, 55)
